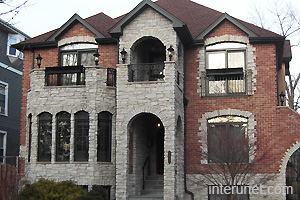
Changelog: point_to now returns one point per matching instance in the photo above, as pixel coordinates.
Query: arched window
(228, 140)
(44, 137)
(104, 137)
(81, 146)
(63, 132)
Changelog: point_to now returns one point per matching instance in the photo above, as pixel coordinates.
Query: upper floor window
(81, 151)
(104, 137)
(2, 145)
(3, 98)
(226, 69)
(63, 133)
(78, 54)
(44, 137)
(13, 39)
(228, 140)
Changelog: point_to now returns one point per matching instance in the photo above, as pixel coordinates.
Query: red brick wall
(78, 30)
(226, 28)
(263, 105)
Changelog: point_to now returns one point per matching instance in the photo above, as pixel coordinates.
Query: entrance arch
(146, 148)
(292, 175)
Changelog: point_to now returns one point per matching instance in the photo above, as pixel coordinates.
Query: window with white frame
(2, 145)
(3, 98)
(226, 72)
(13, 39)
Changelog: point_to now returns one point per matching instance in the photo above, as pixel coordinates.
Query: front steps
(154, 189)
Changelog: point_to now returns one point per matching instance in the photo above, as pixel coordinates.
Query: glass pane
(236, 86)
(236, 60)
(1, 141)
(104, 137)
(12, 51)
(69, 59)
(45, 137)
(81, 136)
(227, 119)
(87, 59)
(216, 60)
(63, 137)
(226, 45)
(217, 87)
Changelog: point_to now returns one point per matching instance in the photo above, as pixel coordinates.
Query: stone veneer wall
(93, 97)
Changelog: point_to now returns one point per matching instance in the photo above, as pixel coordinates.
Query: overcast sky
(40, 16)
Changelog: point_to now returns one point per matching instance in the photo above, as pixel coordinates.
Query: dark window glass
(12, 51)
(81, 136)
(227, 140)
(63, 132)
(104, 137)
(2, 98)
(44, 137)
(29, 135)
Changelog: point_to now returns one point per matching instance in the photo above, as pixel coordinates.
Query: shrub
(97, 193)
(50, 190)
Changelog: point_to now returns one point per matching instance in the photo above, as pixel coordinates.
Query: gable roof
(191, 20)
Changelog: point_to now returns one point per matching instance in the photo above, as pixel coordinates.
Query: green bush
(50, 190)
(97, 193)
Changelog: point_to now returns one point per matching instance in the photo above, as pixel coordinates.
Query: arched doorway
(146, 148)
(293, 176)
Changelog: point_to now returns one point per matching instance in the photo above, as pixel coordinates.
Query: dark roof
(197, 18)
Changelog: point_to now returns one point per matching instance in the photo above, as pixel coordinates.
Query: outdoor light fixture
(39, 60)
(170, 52)
(96, 55)
(158, 125)
(123, 53)
(281, 97)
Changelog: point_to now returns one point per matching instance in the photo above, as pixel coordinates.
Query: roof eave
(74, 19)
(30, 46)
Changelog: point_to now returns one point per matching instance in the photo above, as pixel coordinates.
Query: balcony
(146, 72)
(73, 75)
(233, 83)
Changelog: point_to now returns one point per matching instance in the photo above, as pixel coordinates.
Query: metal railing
(146, 72)
(226, 84)
(64, 76)
(147, 161)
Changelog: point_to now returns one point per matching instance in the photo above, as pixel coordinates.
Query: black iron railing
(146, 72)
(64, 76)
(226, 84)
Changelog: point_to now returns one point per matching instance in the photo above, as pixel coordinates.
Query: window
(81, 152)
(104, 137)
(3, 98)
(13, 39)
(2, 145)
(63, 132)
(226, 69)
(228, 140)
(29, 135)
(44, 137)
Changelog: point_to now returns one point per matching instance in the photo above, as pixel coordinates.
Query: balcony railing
(231, 84)
(146, 72)
(63, 76)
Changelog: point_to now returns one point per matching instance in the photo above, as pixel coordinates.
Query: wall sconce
(96, 55)
(123, 53)
(170, 52)
(39, 60)
(281, 97)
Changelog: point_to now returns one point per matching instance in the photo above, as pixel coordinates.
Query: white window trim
(18, 38)
(4, 144)
(6, 98)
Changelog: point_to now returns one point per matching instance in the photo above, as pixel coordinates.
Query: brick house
(168, 73)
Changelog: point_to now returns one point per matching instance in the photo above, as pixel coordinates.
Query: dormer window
(226, 72)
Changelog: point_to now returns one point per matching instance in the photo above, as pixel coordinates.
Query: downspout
(185, 103)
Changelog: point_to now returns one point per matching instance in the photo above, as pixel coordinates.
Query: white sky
(40, 16)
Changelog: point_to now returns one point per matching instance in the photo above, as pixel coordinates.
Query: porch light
(170, 52)
(39, 60)
(158, 125)
(123, 53)
(281, 97)
(96, 55)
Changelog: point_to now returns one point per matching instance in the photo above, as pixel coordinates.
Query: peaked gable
(73, 20)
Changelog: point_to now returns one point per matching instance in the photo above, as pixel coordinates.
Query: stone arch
(287, 156)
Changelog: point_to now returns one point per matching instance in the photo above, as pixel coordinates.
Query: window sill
(144, 82)
(43, 163)
(65, 86)
(104, 163)
(226, 96)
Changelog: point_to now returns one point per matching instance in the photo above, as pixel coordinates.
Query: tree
(282, 17)
(11, 8)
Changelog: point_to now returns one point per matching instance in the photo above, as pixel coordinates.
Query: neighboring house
(10, 90)
(169, 73)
